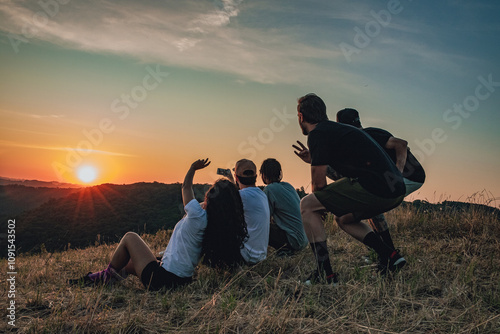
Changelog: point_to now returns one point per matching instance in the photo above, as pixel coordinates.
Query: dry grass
(451, 285)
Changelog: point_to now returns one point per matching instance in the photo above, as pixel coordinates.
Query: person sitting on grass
(286, 233)
(215, 229)
(256, 211)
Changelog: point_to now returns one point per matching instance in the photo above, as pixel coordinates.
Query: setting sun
(87, 174)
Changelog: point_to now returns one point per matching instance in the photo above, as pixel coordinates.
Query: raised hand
(302, 152)
(187, 185)
(200, 164)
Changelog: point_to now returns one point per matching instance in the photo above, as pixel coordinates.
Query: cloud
(190, 34)
(268, 42)
(7, 143)
(46, 116)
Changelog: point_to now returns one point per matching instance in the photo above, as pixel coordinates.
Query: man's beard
(304, 130)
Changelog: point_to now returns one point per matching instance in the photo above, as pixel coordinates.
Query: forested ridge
(55, 219)
(97, 214)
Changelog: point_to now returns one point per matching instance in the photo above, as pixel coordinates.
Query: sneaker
(82, 281)
(395, 263)
(316, 277)
(105, 277)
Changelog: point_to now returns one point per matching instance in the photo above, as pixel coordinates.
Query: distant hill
(58, 217)
(36, 183)
(451, 206)
(16, 199)
(103, 212)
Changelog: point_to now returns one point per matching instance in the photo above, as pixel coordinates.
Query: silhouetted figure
(371, 184)
(412, 171)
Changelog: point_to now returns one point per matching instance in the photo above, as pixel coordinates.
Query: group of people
(372, 172)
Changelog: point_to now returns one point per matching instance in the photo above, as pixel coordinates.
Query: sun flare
(87, 174)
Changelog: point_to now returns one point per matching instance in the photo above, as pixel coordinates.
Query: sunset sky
(140, 89)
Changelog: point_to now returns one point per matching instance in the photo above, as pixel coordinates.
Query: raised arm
(400, 146)
(187, 185)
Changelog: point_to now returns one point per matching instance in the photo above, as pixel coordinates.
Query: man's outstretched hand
(302, 152)
(200, 164)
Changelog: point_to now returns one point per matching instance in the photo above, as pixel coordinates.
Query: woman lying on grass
(215, 229)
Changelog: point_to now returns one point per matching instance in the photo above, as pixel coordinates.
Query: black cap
(349, 116)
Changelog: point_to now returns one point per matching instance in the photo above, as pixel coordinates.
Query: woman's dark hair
(271, 170)
(226, 228)
(312, 108)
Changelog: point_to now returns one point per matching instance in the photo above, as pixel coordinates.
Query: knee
(130, 236)
(345, 219)
(305, 205)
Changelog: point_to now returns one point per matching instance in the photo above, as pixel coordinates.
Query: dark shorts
(348, 196)
(278, 238)
(154, 277)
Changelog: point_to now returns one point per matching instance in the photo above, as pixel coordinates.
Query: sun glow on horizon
(87, 173)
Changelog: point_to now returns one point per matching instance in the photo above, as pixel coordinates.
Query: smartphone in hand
(223, 172)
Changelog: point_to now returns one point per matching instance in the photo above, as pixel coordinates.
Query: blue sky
(230, 74)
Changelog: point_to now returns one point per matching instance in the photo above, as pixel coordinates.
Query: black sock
(373, 241)
(386, 238)
(320, 251)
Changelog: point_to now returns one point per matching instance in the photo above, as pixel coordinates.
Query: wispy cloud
(6, 143)
(288, 46)
(191, 34)
(46, 116)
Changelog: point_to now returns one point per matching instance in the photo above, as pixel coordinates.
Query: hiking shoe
(82, 281)
(394, 263)
(316, 277)
(105, 277)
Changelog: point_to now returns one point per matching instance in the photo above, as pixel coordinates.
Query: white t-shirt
(257, 217)
(184, 248)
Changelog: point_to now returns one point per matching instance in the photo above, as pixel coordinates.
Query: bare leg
(378, 223)
(365, 234)
(311, 210)
(353, 227)
(133, 253)
(129, 268)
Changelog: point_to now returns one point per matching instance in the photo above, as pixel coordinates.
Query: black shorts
(154, 277)
(278, 238)
(348, 196)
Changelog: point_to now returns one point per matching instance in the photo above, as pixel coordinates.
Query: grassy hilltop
(450, 285)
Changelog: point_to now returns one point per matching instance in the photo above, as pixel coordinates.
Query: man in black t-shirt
(371, 184)
(397, 149)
